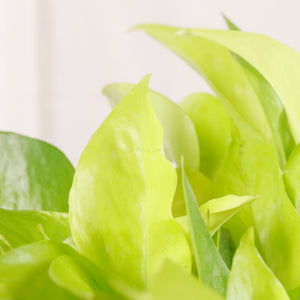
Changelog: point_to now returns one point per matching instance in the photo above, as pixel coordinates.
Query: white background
(57, 55)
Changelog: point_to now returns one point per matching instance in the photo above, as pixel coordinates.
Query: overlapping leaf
(213, 126)
(23, 227)
(267, 77)
(250, 277)
(180, 137)
(252, 168)
(218, 211)
(272, 106)
(202, 188)
(34, 175)
(211, 268)
(24, 274)
(291, 176)
(121, 198)
(221, 71)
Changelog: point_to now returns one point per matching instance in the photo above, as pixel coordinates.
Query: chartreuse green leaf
(172, 282)
(211, 268)
(213, 126)
(82, 279)
(24, 274)
(121, 198)
(202, 188)
(213, 62)
(277, 63)
(272, 106)
(218, 211)
(34, 175)
(250, 277)
(23, 227)
(294, 294)
(269, 66)
(252, 167)
(179, 138)
(291, 176)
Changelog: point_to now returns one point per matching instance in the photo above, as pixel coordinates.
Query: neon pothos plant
(196, 200)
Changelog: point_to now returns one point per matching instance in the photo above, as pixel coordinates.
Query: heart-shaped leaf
(121, 198)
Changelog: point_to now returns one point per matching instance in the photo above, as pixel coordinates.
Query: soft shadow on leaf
(126, 225)
(202, 188)
(213, 126)
(217, 212)
(225, 245)
(34, 175)
(291, 176)
(272, 106)
(23, 227)
(24, 272)
(250, 277)
(81, 279)
(252, 168)
(179, 137)
(213, 61)
(294, 294)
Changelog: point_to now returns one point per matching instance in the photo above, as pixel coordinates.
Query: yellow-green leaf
(172, 282)
(121, 198)
(250, 277)
(291, 176)
(179, 137)
(218, 211)
(221, 71)
(213, 126)
(19, 227)
(202, 188)
(252, 168)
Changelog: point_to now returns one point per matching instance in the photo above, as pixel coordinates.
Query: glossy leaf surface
(250, 277)
(23, 227)
(213, 61)
(211, 268)
(121, 198)
(34, 175)
(276, 62)
(180, 137)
